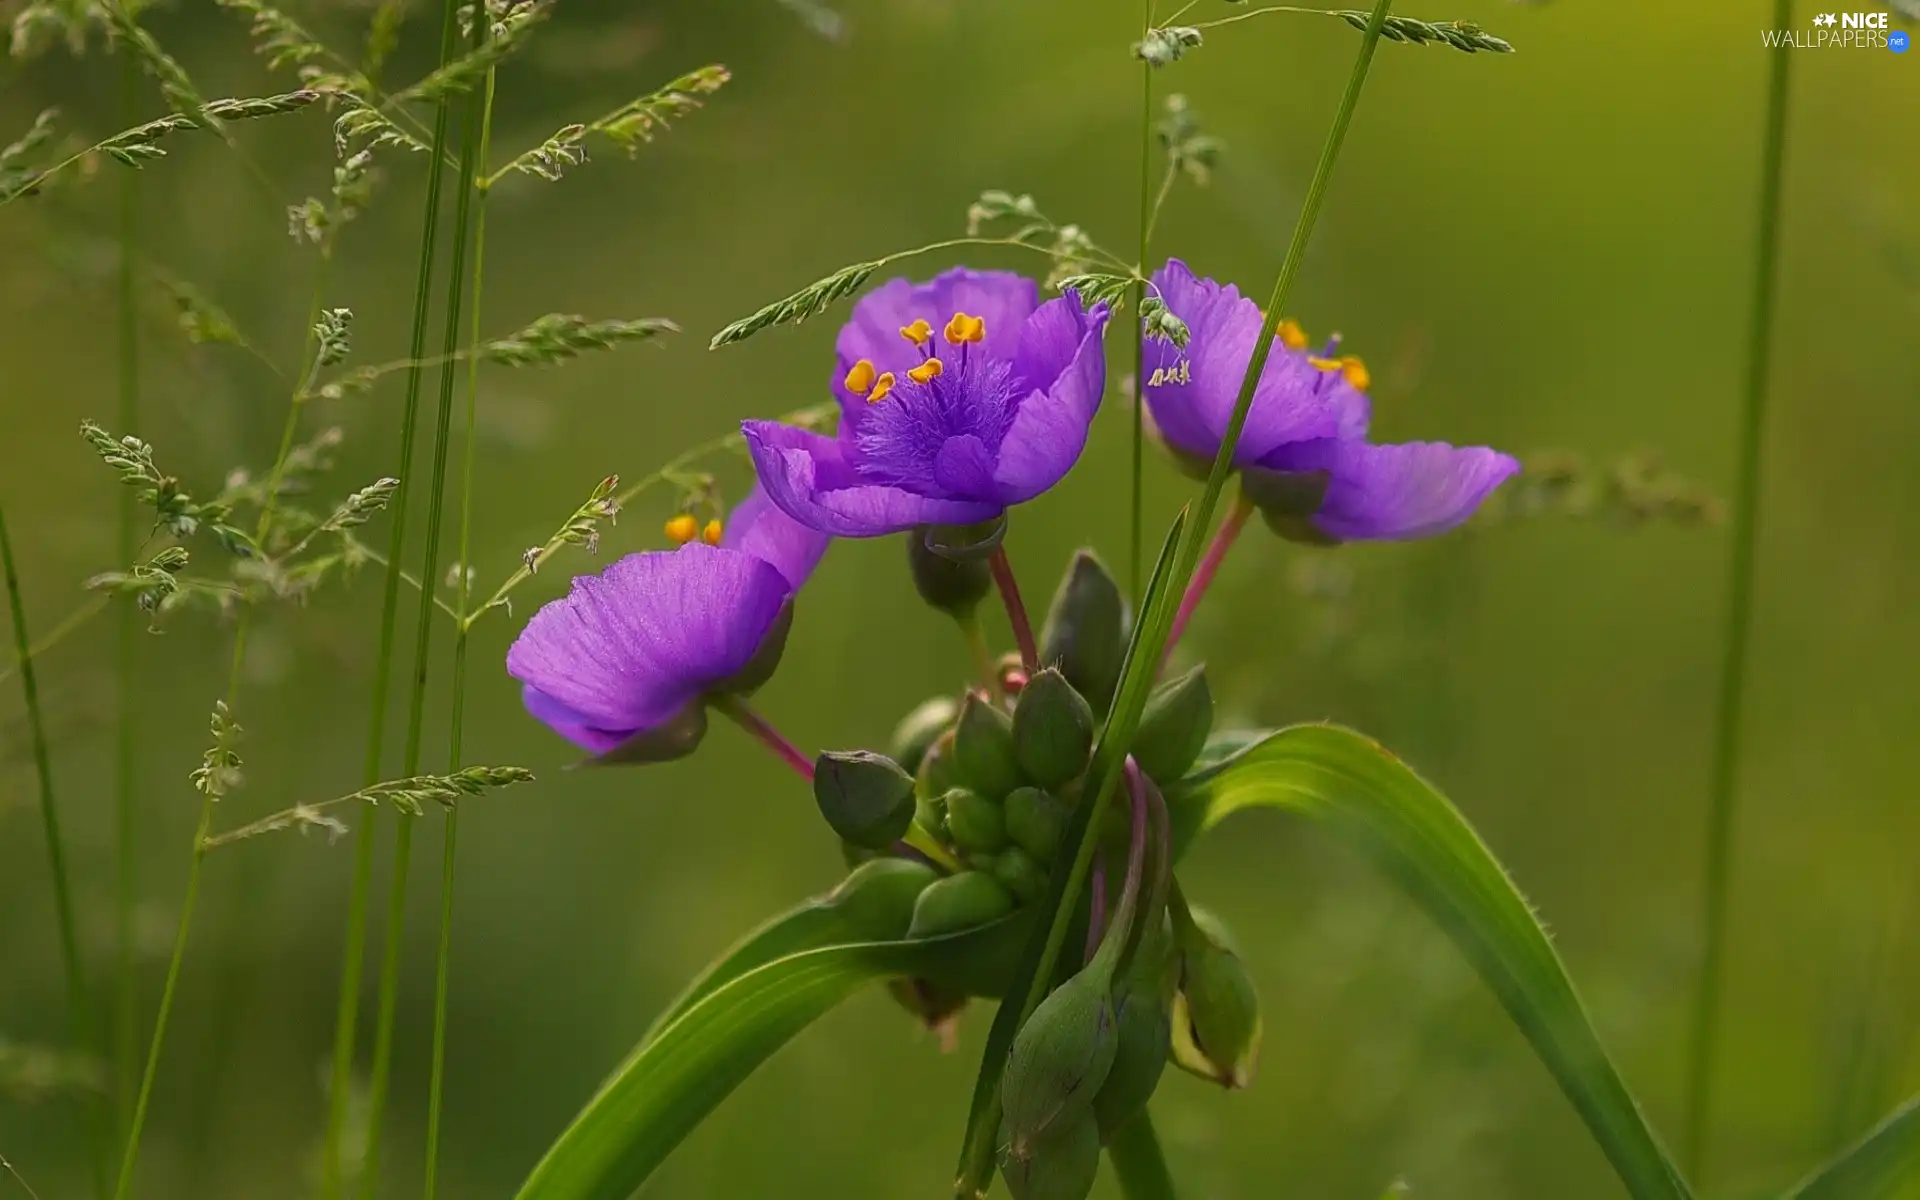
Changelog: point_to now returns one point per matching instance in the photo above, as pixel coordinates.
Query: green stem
(444, 957)
(975, 632)
(78, 1011)
(423, 640)
(977, 1156)
(1138, 1163)
(1733, 674)
(347, 1012)
(127, 1014)
(1137, 525)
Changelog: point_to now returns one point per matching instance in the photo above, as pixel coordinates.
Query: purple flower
(1303, 451)
(629, 649)
(959, 398)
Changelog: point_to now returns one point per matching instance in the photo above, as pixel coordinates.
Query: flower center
(942, 421)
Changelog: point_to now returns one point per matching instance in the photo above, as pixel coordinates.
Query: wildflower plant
(1020, 839)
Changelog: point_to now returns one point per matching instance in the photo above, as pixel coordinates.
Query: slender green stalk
(347, 1012)
(126, 994)
(1158, 615)
(975, 633)
(1138, 1162)
(1733, 671)
(78, 1011)
(443, 965)
(1137, 527)
(423, 640)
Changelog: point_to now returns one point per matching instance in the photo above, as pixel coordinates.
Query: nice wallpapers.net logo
(1841, 31)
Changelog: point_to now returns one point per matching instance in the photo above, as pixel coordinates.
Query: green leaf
(1880, 1164)
(763, 993)
(1373, 801)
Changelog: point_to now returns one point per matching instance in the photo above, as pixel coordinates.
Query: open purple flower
(1303, 452)
(960, 398)
(631, 649)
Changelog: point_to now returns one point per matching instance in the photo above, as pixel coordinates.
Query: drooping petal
(1050, 429)
(632, 646)
(1396, 492)
(1191, 391)
(809, 477)
(757, 526)
(1002, 298)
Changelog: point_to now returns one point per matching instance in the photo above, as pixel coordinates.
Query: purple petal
(964, 467)
(809, 477)
(1050, 430)
(1397, 492)
(1004, 299)
(758, 527)
(1295, 400)
(1052, 337)
(632, 646)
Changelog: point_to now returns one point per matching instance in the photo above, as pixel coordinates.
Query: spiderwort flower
(632, 649)
(960, 398)
(1303, 453)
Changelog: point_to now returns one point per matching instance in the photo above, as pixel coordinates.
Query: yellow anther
(963, 329)
(881, 387)
(919, 333)
(859, 380)
(1350, 367)
(1291, 335)
(711, 533)
(682, 529)
(929, 369)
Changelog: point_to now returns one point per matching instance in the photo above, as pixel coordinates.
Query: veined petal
(809, 478)
(1050, 429)
(1396, 492)
(1003, 299)
(757, 526)
(630, 647)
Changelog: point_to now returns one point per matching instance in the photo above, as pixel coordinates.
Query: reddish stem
(1223, 539)
(1016, 610)
(746, 718)
(1096, 904)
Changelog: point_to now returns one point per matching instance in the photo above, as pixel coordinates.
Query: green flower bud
(1288, 500)
(1174, 727)
(1052, 729)
(877, 899)
(1036, 821)
(983, 748)
(975, 822)
(1141, 1000)
(1024, 877)
(1061, 1165)
(866, 797)
(953, 585)
(1216, 1016)
(936, 1008)
(930, 814)
(1085, 632)
(919, 729)
(936, 774)
(958, 902)
(1058, 1062)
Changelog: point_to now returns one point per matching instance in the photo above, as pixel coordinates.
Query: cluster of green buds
(966, 820)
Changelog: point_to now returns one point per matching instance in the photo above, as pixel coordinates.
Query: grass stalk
(1137, 523)
(1733, 672)
(347, 1011)
(127, 634)
(1138, 1162)
(394, 934)
(79, 1018)
(442, 975)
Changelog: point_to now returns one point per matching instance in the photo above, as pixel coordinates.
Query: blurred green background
(1545, 250)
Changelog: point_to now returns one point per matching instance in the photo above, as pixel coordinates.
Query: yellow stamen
(929, 369)
(859, 380)
(881, 387)
(711, 534)
(1291, 335)
(682, 529)
(919, 333)
(1350, 367)
(963, 329)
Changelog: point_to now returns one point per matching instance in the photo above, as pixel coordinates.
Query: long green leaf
(811, 926)
(1885, 1163)
(733, 1020)
(1373, 801)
